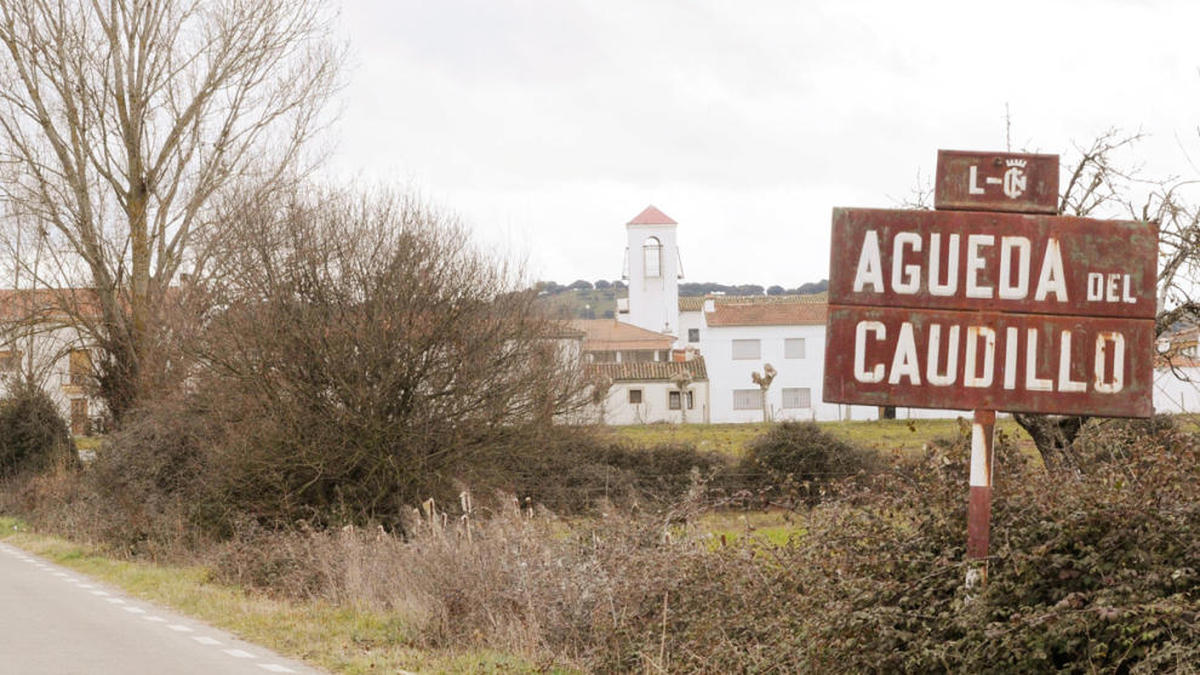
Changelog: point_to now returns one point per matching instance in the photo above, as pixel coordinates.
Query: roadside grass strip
(338, 638)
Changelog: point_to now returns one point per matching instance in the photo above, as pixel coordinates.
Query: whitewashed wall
(45, 353)
(689, 320)
(654, 406)
(1177, 392)
(653, 301)
(725, 374)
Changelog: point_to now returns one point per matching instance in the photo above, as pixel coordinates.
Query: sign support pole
(979, 506)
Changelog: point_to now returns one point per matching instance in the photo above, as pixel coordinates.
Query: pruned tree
(764, 383)
(599, 387)
(123, 122)
(683, 382)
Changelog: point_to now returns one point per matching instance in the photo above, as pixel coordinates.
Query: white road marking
(86, 586)
(275, 668)
(60, 574)
(155, 619)
(99, 592)
(134, 610)
(115, 601)
(205, 640)
(238, 653)
(179, 628)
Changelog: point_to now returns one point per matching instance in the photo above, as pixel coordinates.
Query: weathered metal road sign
(966, 308)
(1054, 314)
(996, 181)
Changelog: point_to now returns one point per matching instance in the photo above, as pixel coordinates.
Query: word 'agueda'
(1008, 261)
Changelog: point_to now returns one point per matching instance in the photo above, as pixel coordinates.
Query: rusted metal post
(979, 508)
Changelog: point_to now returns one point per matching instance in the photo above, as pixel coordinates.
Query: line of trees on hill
(690, 289)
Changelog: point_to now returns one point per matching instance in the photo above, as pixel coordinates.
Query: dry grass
(344, 637)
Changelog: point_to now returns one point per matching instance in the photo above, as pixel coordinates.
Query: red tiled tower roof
(652, 216)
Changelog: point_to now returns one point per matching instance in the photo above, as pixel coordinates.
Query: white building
(642, 379)
(736, 337)
(733, 337)
(39, 343)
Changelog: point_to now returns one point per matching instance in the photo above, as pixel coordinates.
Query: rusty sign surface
(996, 181)
(991, 311)
(989, 360)
(1000, 262)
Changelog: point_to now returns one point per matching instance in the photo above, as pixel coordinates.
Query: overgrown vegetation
(1091, 574)
(33, 435)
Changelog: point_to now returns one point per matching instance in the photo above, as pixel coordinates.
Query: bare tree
(682, 381)
(123, 121)
(599, 388)
(1098, 185)
(359, 352)
(764, 383)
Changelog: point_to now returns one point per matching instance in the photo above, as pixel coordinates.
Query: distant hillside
(598, 300)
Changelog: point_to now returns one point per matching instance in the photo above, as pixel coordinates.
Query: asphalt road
(56, 621)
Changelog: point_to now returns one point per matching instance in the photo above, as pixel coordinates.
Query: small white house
(642, 378)
(662, 391)
(39, 343)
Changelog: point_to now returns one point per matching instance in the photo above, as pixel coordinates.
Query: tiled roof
(768, 314)
(661, 371)
(652, 216)
(562, 330)
(695, 303)
(48, 303)
(610, 334)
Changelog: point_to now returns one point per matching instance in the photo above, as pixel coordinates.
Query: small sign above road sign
(996, 181)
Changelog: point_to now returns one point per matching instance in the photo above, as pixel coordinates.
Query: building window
(747, 399)
(746, 350)
(635, 396)
(674, 398)
(652, 257)
(797, 397)
(793, 348)
(693, 335)
(80, 367)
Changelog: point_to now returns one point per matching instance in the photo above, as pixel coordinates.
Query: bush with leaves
(33, 435)
(799, 459)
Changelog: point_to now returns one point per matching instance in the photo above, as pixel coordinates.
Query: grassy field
(342, 639)
(903, 436)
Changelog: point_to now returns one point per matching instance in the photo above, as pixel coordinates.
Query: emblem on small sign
(1015, 178)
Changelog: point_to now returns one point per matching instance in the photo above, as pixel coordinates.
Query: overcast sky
(546, 126)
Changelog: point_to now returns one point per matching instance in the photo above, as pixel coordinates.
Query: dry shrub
(800, 461)
(1089, 573)
(572, 470)
(522, 582)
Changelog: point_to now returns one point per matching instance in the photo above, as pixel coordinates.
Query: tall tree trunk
(1054, 436)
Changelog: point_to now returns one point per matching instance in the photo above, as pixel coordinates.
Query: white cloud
(550, 124)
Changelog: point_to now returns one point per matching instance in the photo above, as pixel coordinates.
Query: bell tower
(653, 272)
